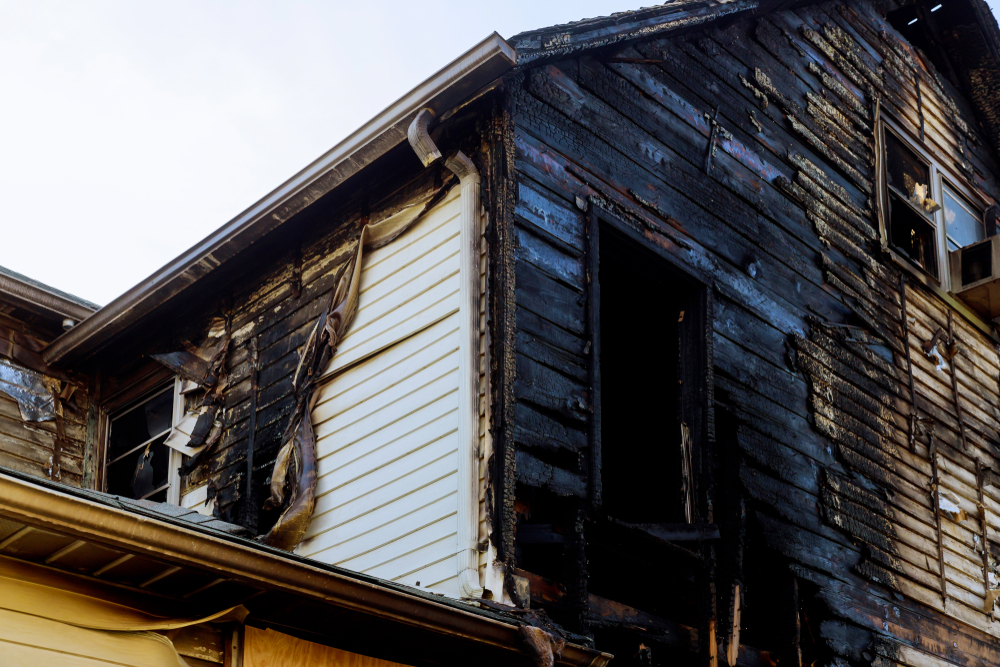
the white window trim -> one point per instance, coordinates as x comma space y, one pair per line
176, 458
939, 175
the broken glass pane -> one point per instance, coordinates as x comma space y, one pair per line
137, 425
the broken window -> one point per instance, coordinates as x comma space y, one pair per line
929, 210
139, 464
648, 321
912, 229
646, 326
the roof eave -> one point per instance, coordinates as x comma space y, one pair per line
54, 510
449, 87
41, 301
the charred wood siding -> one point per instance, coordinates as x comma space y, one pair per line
813, 349
56, 448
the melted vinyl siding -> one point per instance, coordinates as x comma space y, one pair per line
386, 423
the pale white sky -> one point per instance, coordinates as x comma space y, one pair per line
131, 129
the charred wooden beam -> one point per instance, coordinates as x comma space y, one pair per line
936, 504
602, 612
679, 532
594, 330
980, 484
657, 535
953, 349
909, 362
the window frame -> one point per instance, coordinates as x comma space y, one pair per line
123, 403
696, 401
963, 201
940, 174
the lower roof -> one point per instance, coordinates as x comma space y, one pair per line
178, 560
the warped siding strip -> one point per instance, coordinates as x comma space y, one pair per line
405, 286
385, 369
372, 387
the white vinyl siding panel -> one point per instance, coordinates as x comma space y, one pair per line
386, 419
406, 285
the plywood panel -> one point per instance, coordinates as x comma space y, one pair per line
267, 648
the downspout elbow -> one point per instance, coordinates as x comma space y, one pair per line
420, 138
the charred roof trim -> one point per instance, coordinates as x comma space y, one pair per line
92, 516
450, 86
42, 299
563, 40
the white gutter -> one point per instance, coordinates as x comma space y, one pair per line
449, 87
470, 237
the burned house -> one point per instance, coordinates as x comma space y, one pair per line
669, 336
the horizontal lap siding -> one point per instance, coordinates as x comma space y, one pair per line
28, 447
787, 194
386, 421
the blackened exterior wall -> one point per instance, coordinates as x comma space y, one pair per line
817, 463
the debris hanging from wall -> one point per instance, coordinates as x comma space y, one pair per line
36, 394
293, 479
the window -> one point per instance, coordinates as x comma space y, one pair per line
963, 223
927, 212
912, 228
648, 330
139, 464
648, 321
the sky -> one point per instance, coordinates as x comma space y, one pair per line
130, 130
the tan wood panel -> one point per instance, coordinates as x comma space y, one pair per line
268, 648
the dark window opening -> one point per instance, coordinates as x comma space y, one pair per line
913, 235
906, 173
641, 303
977, 263
138, 460
910, 205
